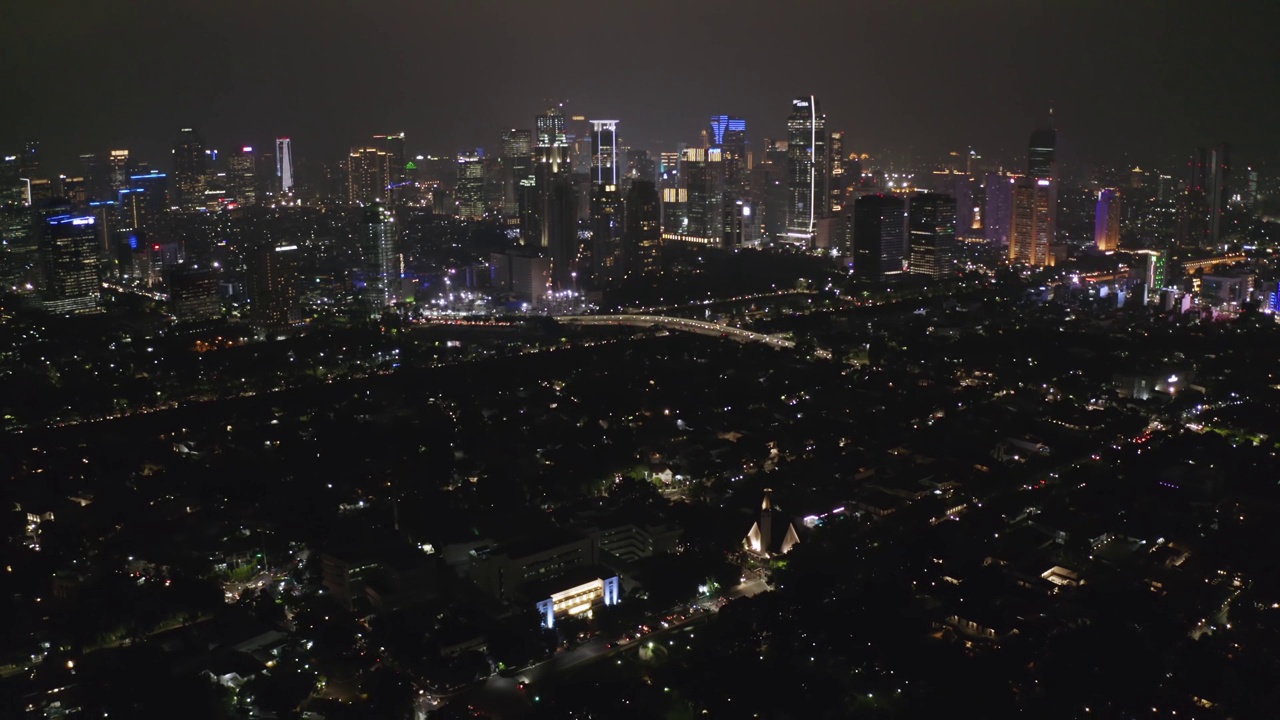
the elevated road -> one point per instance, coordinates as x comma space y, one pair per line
700, 327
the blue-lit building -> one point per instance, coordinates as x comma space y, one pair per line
70, 253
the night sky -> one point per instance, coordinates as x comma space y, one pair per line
1130, 80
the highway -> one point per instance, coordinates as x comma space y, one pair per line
700, 327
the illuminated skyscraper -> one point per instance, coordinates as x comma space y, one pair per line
1106, 222
242, 175
703, 174
1204, 198
1042, 165
837, 173
119, 168
70, 250
550, 127
284, 165
878, 243
366, 176
272, 267
642, 237
1031, 231
189, 166
730, 135
997, 210
808, 170
517, 171
380, 244
931, 221
604, 152
393, 169
469, 194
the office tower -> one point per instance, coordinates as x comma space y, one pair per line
393, 171
550, 127
366, 168
190, 163
1042, 153
836, 192
120, 168
1030, 232
39, 192
554, 216
19, 248
70, 250
642, 237
740, 229
73, 189
469, 192
931, 221
807, 170
703, 178
770, 191
242, 175
997, 210
29, 161
606, 233
193, 294
1106, 221
13, 191
878, 243
729, 134
517, 171
604, 152
284, 165
97, 177
380, 245
1042, 164
272, 268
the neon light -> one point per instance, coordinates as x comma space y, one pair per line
246, 148
148, 176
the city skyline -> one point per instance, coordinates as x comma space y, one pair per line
994, 73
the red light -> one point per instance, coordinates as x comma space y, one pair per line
155, 247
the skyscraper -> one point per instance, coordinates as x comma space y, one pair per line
119, 169
189, 166
836, 190
704, 179
380, 244
392, 169
730, 135
272, 267
1106, 222
997, 210
469, 192
604, 152
550, 127
517, 168
807, 170
193, 294
1031, 231
931, 220
366, 176
642, 237
70, 250
1042, 165
242, 175
878, 243
284, 165
1204, 198
606, 233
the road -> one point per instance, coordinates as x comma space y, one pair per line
700, 327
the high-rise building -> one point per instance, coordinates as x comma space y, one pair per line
640, 166
70, 250
606, 233
517, 171
931, 221
120, 168
878, 242
1042, 153
242, 175
550, 127
193, 294
29, 160
284, 165
189, 170
469, 192
553, 223
272, 266
604, 152
730, 135
997, 210
13, 191
380, 245
808, 170
1204, 199
394, 173
642, 237
836, 190
366, 178
1031, 229
1106, 221
703, 175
